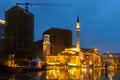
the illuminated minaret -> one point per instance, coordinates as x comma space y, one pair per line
78, 33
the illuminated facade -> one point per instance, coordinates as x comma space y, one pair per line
69, 57
72, 56
92, 57
19, 31
76, 56
111, 59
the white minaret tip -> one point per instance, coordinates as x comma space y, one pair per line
78, 23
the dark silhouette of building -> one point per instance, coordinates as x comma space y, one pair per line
59, 39
2, 28
19, 31
38, 48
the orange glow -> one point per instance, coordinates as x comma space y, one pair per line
96, 49
70, 64
2, 21
84, 69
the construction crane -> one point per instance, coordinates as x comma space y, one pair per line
41, 4
26, 5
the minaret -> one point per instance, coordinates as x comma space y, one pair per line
78, 34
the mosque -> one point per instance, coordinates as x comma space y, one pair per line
74, 56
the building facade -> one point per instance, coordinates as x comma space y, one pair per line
111, 59
38, 49
2, 28
19, 31
59, 39
91, 57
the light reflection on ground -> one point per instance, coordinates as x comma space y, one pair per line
65, 73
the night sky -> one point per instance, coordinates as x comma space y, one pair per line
100, 20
